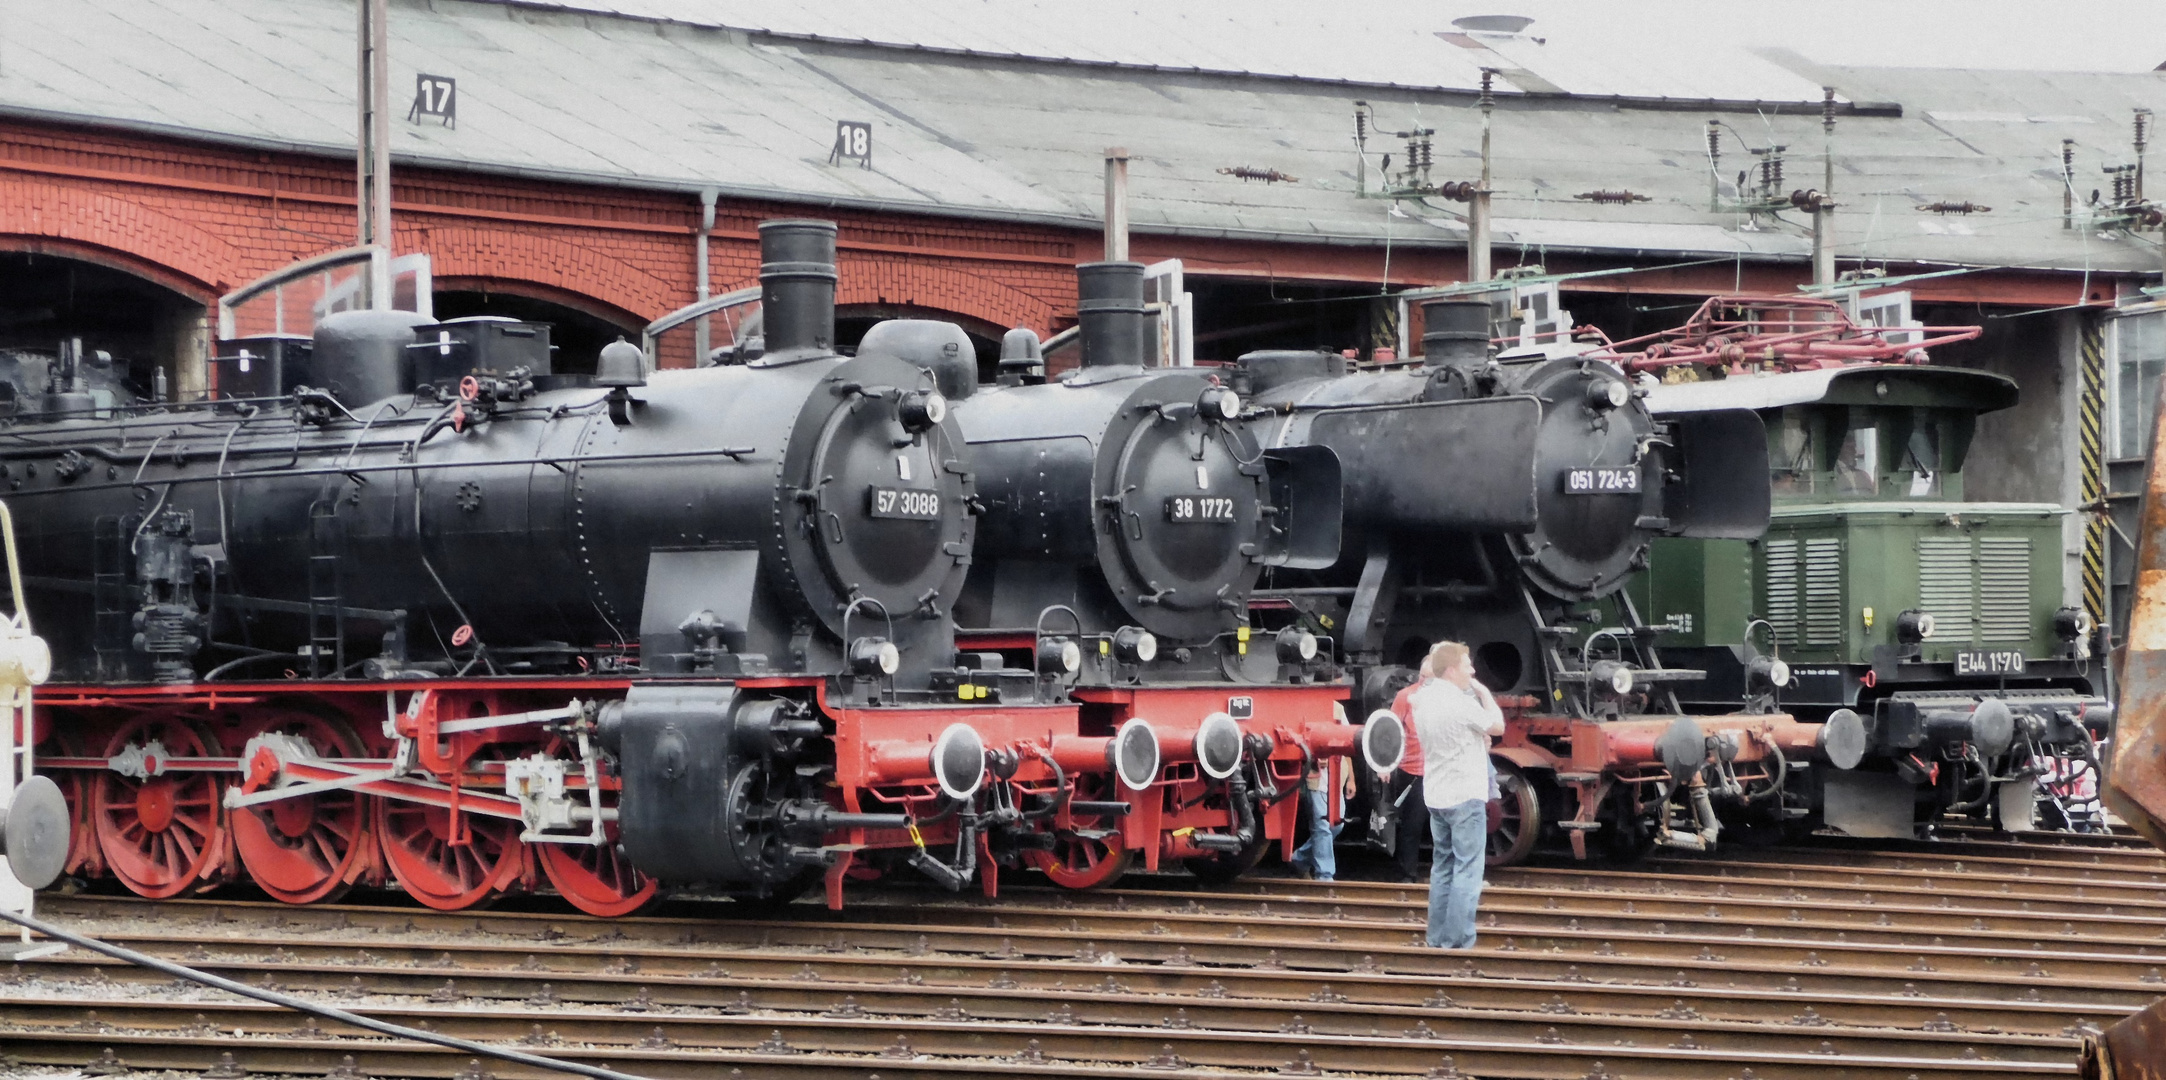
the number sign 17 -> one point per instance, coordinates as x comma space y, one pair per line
437, 96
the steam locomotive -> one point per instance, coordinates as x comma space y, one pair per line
1504, 500
402, 603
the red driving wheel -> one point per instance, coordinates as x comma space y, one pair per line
303, 850
159, 832
595, 879
444, 869
450, 865
1084, 857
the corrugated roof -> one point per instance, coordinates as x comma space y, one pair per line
593, 96
1410, 43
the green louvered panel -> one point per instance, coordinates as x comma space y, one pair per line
2004, 588
1824, 592
1947, 585
1782, 590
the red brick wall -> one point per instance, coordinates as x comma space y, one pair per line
203, 219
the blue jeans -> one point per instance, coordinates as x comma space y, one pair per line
1459, 840
1317, 855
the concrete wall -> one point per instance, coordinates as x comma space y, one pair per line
2027, 453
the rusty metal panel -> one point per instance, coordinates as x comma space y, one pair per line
2134, 1049
2136, 784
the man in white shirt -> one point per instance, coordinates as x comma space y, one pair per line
1455, 717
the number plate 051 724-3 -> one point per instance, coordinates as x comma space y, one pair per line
1602, 481
1988, 662
909, 504
1195, 509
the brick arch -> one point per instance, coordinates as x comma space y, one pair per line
550, 268
944, 288
119, 233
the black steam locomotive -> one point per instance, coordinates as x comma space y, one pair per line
1503, 501
403, 603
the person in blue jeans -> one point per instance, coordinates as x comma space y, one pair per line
1455, 717
1317, 857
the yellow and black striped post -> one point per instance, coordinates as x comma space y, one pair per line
2091, 406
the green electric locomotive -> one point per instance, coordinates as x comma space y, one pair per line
1880, 589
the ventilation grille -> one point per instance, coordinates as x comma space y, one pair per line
2004, 588
1946, 584
1782, 575
1976, 589
1804, 599
1824, 592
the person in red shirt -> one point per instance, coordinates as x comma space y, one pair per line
1410, 818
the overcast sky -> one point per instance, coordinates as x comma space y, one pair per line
2062, 35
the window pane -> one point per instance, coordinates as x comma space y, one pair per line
2140, 361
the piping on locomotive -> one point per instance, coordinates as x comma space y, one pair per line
403, 603
1883, 591
1503, 501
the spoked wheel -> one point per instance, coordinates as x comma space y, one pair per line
303, 850
84, 857
159, 832
1088, 856
596, 879
1513, 840
443, 869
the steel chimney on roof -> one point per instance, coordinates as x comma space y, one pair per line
1493, 24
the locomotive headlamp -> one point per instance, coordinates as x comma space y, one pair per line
873, 656
1612, 674
1383, 741
1218, 746
1219, 403
1059, 655
1134, 754
1913, 626
959, 761
1296, 646
1608, 394
1135, 645
1767, 671
921, 410
2070, 623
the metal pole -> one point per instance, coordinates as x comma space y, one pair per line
372, 186
1824, 213
1478, 221
701, 342
1116, 204
2068, 183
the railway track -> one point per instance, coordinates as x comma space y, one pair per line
1979, 959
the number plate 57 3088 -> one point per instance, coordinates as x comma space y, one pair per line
910, 504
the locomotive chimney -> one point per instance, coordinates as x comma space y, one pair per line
1454, 332
1109, 306
797, 288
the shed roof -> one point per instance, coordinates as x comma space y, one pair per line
643, 96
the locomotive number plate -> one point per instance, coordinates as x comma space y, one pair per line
1206, 509
1987, 662
1602, 481
909, 504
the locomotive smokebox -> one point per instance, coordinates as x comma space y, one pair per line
1109, 307
797, 288
1454, 332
